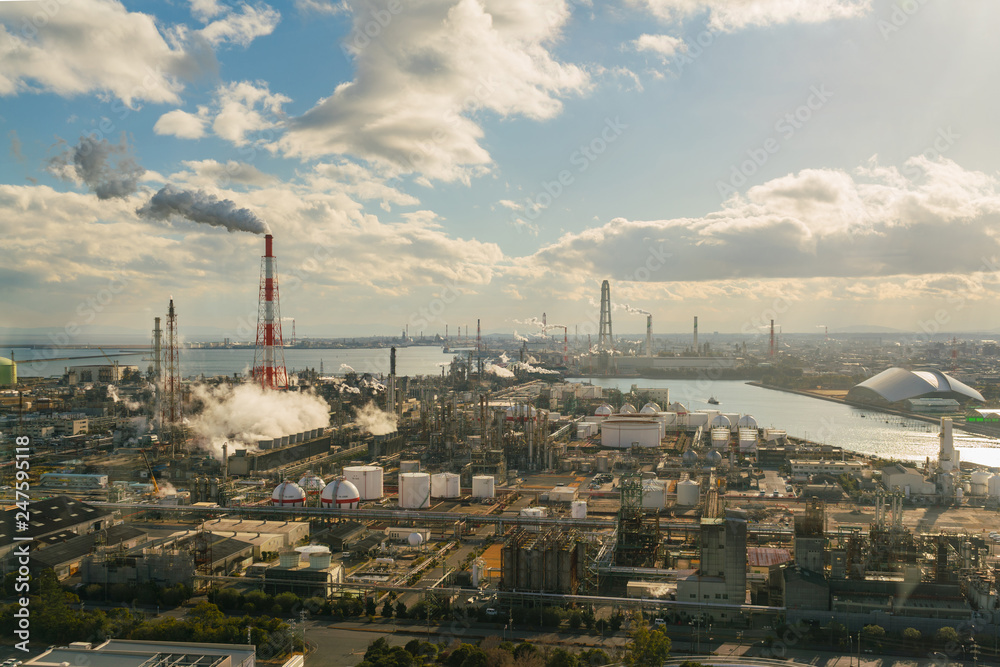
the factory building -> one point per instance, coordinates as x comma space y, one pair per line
132, 653
103, 373
555, 561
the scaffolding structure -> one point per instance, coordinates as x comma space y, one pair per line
638, 543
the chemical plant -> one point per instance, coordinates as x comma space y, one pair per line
498, 484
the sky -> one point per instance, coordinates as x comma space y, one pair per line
424, 163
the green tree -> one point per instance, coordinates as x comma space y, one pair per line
873, 632
400, 609
575, 620
911, 635
287, 600
649, 648
370, 606
561, 658
946, 635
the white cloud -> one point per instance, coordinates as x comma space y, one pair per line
663, 45
204, 10
212, 173
737, 14
323, 6
357, 181
426, 74
92, 45
181, 124
818, 222
246, 107
242, 27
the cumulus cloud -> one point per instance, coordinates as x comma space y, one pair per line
181, 124
241, 27
214, 173
108, 170
738, 14
79, 49
662, 45
879, 221
420, 83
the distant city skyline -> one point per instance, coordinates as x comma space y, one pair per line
423, 162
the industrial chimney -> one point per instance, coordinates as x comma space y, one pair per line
649, 336
696, 336
269, 357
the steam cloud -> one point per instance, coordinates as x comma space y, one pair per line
519, 338
200, 206
629, 309
499, 371
372, 420
108, 170
246, 413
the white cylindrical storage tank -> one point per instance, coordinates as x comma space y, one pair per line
445, 485
438, 483
409, 466
993, 486
687, 493
654, 495
748, 439
959, 493
288, 558
695, 419
979, 483
721, 421
414, 490
319, 560
288, 494
578, 509
367, 479
478, 572
626, 433
483, 486
340, 494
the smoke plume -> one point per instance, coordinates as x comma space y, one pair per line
519, 338
200, 206
629, 309
372, 420
108, 170
128, 403
499, 371
246, 413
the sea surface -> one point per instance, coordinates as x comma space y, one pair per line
854, 429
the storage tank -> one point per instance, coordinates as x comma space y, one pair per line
578, 509
627, 409
319, 560
747, 421
993, 486
288, 558
409, 466
340, 494
478, 572
721, 421
626, 433
654, 495
650, 408
446, 485
720, 436
483, 486
288, 494
312, 484
367, 479
687, 493
603, 464
980, 483
604, 410
748, 438
689, 457
534, 512
713, 458
414, 490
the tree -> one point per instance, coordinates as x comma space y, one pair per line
911, 635
873, 632
594, 657
561, 658
287, 600
649, 648
946, 635
370, 606
387, 609
575, 620
400, 610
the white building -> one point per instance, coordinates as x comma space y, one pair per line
898, 477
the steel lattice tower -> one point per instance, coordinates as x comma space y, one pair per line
269, 356
605, 340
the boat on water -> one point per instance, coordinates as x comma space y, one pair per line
713, 400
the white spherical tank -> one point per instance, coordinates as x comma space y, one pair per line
980, 480
627, 409
445, 485
747, 421
312, 484
578, 509
367, 479
604, 410
993, 486
288, 494
483, 486
415, 539
687, 493
340, 494
650, 408
721, 421
414, 490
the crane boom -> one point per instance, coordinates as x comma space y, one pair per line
156, 487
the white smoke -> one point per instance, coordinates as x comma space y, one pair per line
107, 169
629, 309
246, 413
200, 206
346, 369
127, 402
166, 489
528, 368
373, 420
499, 371
519, 338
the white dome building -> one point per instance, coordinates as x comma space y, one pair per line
288, 494
627, 409
650, 408
604, 410
340, 494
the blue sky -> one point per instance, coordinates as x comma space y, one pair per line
833, 161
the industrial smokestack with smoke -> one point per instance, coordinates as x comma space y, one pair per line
200, 206
108, 170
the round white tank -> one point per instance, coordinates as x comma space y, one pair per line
288, 558
747, 421
650, 408
578, 509
414, 490
959, 493
534, 512
483, 486
627, 409
622, 434
288, 494
414, 539
993, 486
340, 494
604, 410
721, 421
445, 485
687, 493
980, 483
368, 480
312, 484
654, 495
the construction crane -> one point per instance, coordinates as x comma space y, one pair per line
156, 487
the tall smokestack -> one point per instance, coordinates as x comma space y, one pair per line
479, 349
157, 350
390, 398
649, 336
545, 332
225, 461
696, 353
772, 338
269, 357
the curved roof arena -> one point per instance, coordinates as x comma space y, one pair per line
898, 384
